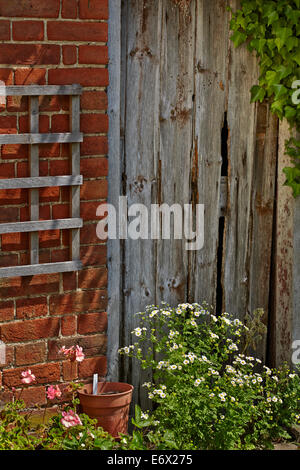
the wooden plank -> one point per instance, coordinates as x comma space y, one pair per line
41, 182
140, 155
296, 274
282, 331
40, 90
34, 269
114, 247
243, 73
31, 226
210, 105
34, 172
263, 201
61, 138
75, 170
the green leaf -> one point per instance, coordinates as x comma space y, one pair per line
292, 179
271, 77
257, 93
272, 17
290, 112
238, 38
296, 57
283, 71
279, 90
282, 35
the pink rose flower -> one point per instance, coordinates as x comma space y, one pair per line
53, 392
69, 419
79, 354
28, 377
73, 353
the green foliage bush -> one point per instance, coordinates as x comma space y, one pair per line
207, 394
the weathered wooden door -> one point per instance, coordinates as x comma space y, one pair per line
188, 135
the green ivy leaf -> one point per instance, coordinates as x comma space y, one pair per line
292, 179
290, 112
257, 93
282, 35
238, 38
279, 90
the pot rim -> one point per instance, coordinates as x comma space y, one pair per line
81, 391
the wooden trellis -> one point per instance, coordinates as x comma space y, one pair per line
34, 182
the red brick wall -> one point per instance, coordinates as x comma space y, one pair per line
54, 42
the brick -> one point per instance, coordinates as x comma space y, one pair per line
69, 9
31, 308
69, 325
6, 395
84, 76
8, 124
34, 396
9, 358
32, 9
44, 374
8, 214
29, 285
94, 100
29, 76
30, 353
60, 255
50, 194
13, 196
7, 170
97, 145
69, 55
60, 123
93, 55
53, 103
92, 365
76, 31
49, 150
93, 123
93, 345
30, 329
88, 234
8, 260
96, 189
60, 211
59, 167
6, 311
94, 167
28, 30
14, 241
17, 103
78, 302
92, 323
31, 54
88, 210
14, 151
70, 370
49, 238
93, 9
69, 281
93, 255
4, 30
6, 76
91, 278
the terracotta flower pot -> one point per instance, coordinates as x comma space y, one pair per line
111, 408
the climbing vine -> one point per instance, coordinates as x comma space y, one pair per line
272, 29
